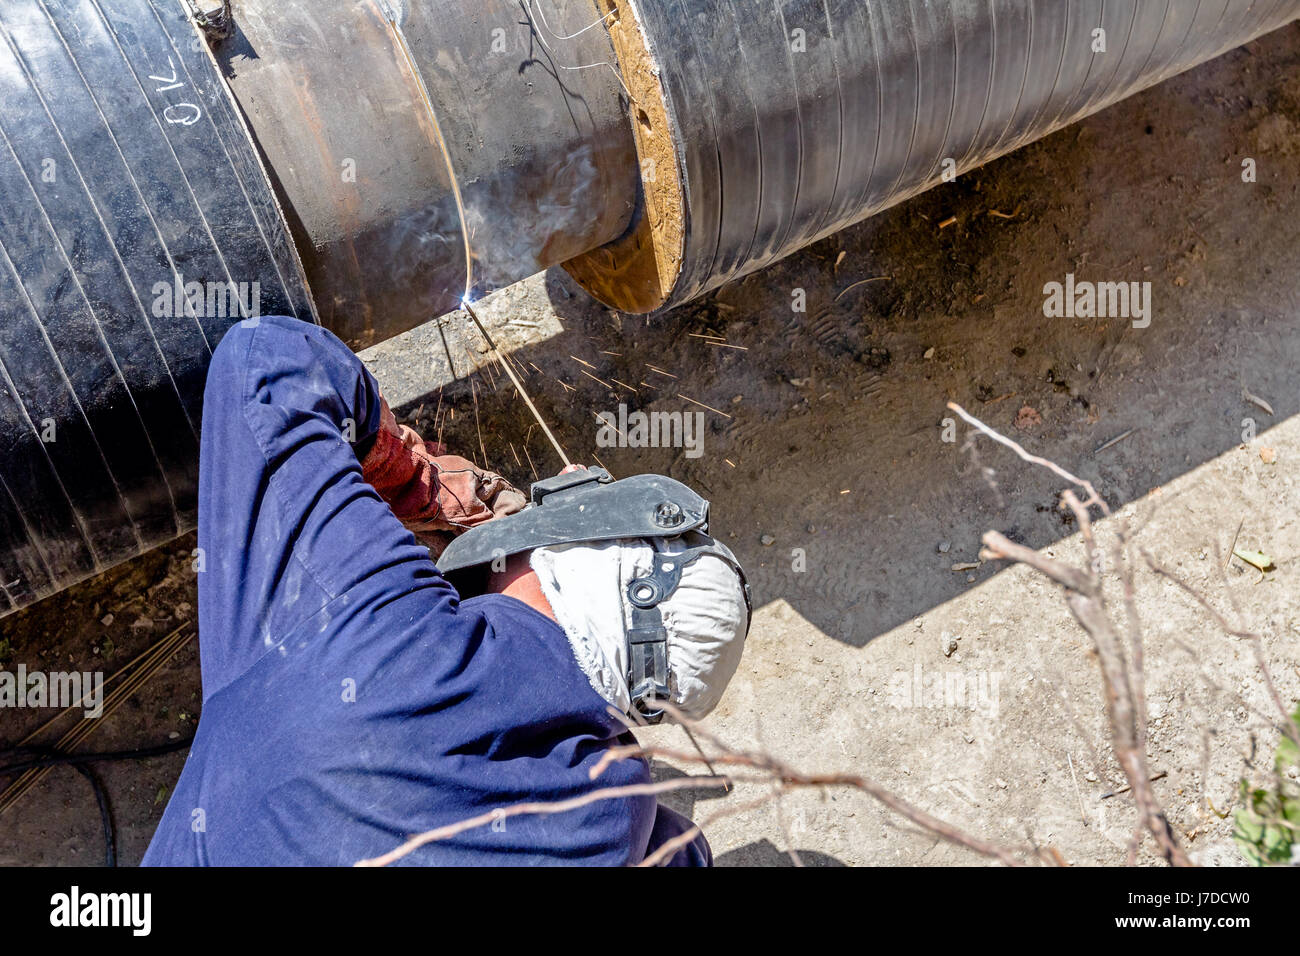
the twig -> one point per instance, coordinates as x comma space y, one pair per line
773, 770
1114, 441
1126, 788
538, 808
702, 405
1092, 499
1084, 597
769, 771
1288, 725
1233, 547
847, 288
1121, 682
690, 735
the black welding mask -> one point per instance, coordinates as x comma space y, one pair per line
587, 507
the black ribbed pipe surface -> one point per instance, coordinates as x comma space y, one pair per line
123, 166
785, 138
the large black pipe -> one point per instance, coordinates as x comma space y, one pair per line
136, 225
786, 125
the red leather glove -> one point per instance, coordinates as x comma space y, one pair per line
437, 496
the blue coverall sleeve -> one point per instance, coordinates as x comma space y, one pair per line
286, 520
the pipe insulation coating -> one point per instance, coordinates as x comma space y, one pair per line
136, 226
368, 162
787, 120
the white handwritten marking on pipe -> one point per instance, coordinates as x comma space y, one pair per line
173, 80
177, 114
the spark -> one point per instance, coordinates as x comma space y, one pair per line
519, 386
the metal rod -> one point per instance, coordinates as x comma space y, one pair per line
523, 393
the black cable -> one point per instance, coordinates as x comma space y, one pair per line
79, 762
105, 813
53, 758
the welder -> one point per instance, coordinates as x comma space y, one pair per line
393, 639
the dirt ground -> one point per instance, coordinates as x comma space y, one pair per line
825, 459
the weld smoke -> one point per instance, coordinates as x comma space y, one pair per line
505, 250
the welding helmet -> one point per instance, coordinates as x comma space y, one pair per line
655, 608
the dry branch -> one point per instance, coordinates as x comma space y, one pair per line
766, 770
1122, 681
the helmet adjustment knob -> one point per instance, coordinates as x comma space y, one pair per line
669, 514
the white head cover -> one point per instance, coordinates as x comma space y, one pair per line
706, 617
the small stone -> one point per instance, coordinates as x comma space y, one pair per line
106, 620
950, 648
929, 353
737, 399
1090, 777
945, 547
766, 540
1002, 784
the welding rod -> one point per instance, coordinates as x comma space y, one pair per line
523, 393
